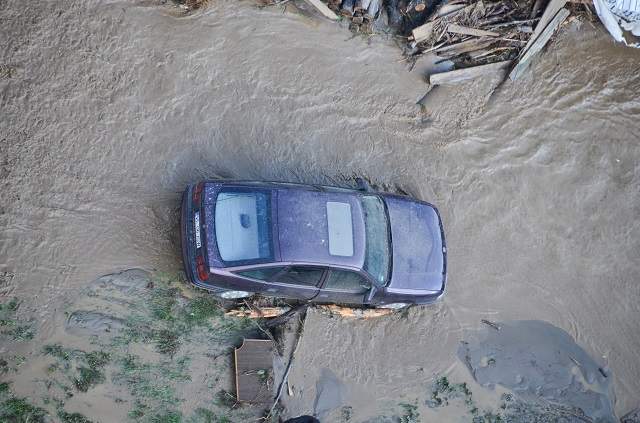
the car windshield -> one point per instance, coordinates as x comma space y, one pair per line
243, 226
377, 253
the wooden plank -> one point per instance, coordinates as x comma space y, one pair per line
463, 47
254, 371
322, 8
422, 32
459, 29
461, 75
451, 9
535, 48
552, 10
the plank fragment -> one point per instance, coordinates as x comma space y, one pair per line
552, 10
464, 30
423, 32
322, 8
463, 47
461, 75
538, 44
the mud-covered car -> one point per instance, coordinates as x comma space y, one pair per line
312, 243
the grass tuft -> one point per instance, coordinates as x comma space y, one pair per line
13, 409
89, 366
201, 309
167, 341
88, 377
169, 417
410, 413
72, 417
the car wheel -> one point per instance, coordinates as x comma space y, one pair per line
393, 306
234, 295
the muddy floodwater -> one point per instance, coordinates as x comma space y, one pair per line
109, 108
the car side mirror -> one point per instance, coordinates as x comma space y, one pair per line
362, 185
371, 294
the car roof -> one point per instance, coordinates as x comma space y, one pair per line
313, 224
320, 226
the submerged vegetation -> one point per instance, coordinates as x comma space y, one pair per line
151, 356
15, 328
15, 409
509, 410
82, 369
167, 319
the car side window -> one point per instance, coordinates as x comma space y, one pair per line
299, 275
352, 282
262, 273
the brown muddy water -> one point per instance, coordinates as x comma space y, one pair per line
112, 107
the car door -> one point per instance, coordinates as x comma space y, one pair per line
298, 282
256, 279
344, 287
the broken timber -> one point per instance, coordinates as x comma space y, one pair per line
322, 8
461, 75
258, 313
358, 313
538, 44
459, 29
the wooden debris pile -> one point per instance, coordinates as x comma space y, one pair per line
485, 37
361, 13
473, 37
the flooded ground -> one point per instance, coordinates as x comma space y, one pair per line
110, 108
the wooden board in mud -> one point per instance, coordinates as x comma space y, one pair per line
254, 371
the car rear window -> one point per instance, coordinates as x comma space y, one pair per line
243, 226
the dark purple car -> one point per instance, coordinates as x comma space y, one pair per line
312, 243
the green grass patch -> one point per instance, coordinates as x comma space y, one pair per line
16, 329
443, 391
200, 309
170, 417
18, 410
152, 385
84, 369
72, 417
168, 320
409, 413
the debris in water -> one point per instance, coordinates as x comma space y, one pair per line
493, 325
621, 18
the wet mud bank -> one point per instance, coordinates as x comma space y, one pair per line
519, 371
133, 346
110, 109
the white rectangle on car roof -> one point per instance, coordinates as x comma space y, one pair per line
340, 227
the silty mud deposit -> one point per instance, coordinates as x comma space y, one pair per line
112, 107
542, 365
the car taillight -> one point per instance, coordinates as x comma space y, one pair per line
203, 272
197, 192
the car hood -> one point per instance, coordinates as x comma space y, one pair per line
418, 247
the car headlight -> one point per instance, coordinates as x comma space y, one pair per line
231, 295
